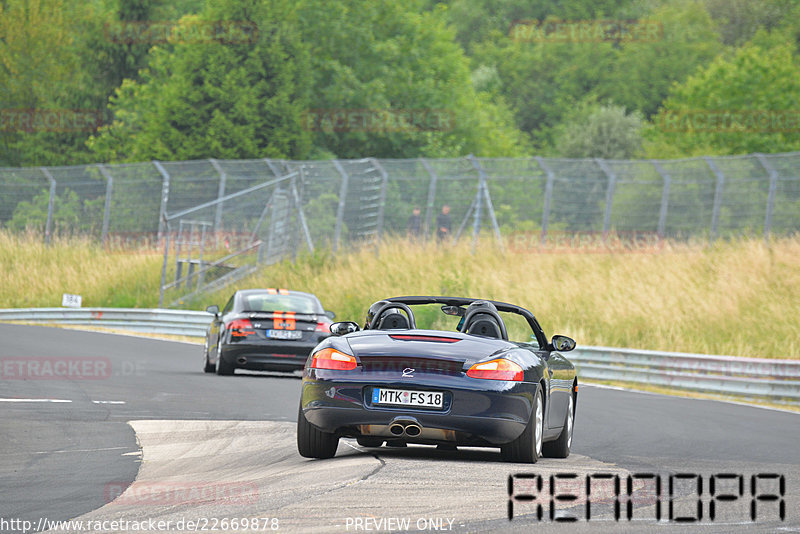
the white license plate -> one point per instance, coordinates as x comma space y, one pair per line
284, 334
402, 397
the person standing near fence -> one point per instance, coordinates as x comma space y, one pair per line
414, 226
443, 224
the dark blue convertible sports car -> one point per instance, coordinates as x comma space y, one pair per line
481, 373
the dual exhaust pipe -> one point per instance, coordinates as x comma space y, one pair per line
407, 428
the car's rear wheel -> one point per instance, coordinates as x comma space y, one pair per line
527, 448
560, 447
207, 366
223, 367
369, 441
313, 442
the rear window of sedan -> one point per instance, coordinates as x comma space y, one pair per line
268, 303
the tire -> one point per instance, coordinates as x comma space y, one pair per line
369, 441
313, 442
527, 448
560, 447
223, 367
207, 367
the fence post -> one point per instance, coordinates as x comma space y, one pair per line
50, 205
162, 211
717, 196
773, 186
301, 216
223, 177
165, 224
548, 195
431, 198
483, 193
662, 212
382, 198
273, 167
340, 210
107, 206
612, 184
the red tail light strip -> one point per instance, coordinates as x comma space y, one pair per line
434, 339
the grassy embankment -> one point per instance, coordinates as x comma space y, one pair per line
33, 275
739, 298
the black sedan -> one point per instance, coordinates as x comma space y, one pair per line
481, 373
264, 330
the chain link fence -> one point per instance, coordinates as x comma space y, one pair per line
215, 217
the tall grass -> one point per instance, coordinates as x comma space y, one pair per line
33, 274
738, 297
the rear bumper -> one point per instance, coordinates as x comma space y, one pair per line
267, 356
475, 413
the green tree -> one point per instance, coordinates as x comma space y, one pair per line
545, 81
395, 57
601, 132
742, 103
238, 98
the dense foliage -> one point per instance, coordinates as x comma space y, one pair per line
317, 79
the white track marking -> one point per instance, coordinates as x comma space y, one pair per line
81, 450
35, 400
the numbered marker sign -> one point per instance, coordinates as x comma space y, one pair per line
71, 301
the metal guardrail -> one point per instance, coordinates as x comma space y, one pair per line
156, 321
748, 377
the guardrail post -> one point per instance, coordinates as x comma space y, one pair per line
340, 210
612, 184
162, 211
773, 186
662, 212
50, 205
220, 195
107, 205
717, 197
548, 195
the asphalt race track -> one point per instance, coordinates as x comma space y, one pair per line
138, 434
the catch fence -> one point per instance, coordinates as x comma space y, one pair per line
215, 219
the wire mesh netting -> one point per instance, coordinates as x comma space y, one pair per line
288, 206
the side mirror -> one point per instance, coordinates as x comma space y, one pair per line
563, 343
213, 309
330, 314
343, 328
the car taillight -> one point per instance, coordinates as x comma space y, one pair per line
333, 359
241, 327
499, 369
323, 326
